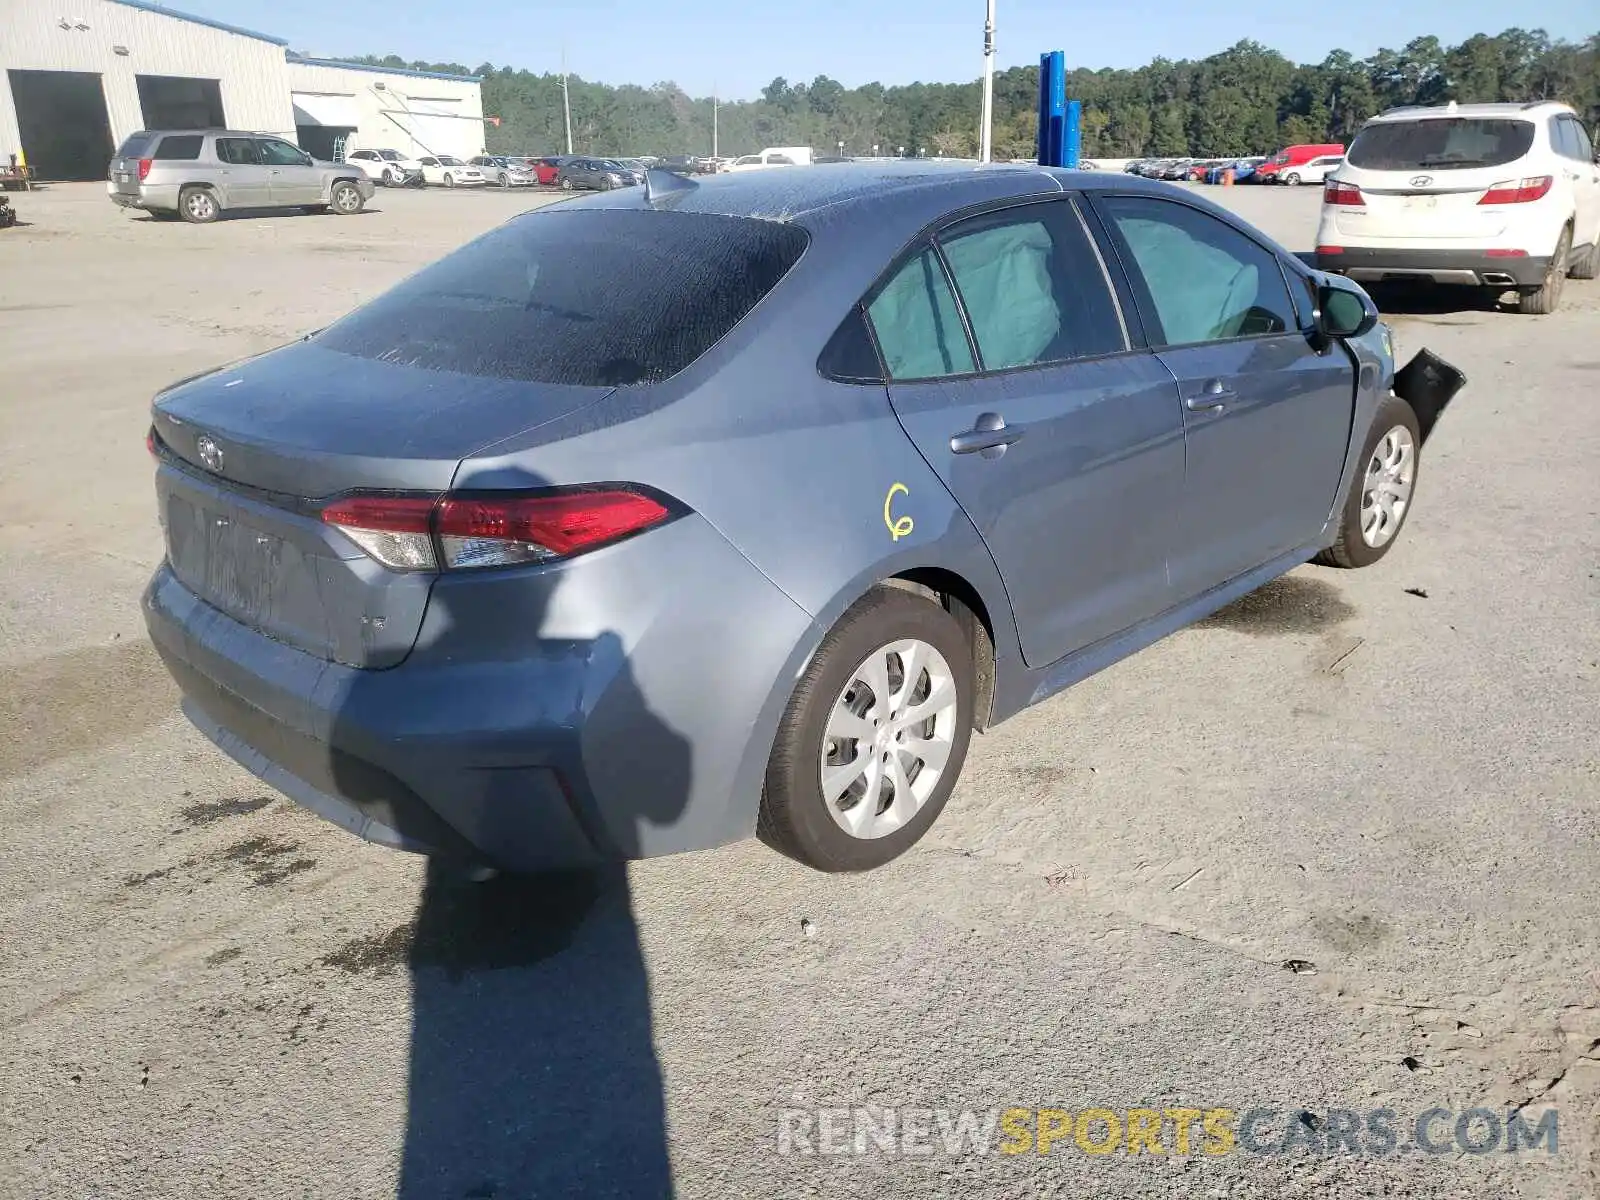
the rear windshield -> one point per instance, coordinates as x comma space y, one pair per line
600, 298
136, 145
185, 147
1441, 144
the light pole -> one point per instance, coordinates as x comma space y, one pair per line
986, 131
566, 100
713, 120
841, 147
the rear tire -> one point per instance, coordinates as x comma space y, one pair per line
1547, 298
889, 625
1586, 262
1354, 548
198, 206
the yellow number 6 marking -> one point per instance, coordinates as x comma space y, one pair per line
898, 526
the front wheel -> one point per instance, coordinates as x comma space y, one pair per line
566, 185
874, 737
1380, 496
388, 177
449, 180
505, 180
1292, 179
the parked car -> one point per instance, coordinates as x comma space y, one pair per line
389, 168
507, 172
765, 160
199, 174
1315, 171
1242, 168
683, 164
547, 170
1502, 196
599, 174
1292, 157
450, 172
452, 572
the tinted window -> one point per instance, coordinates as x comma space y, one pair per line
238, 151
279, 154
135, 146
539, 298
850, 355
1441, 144
1033, 289
183, 147
1205, 280
918, 325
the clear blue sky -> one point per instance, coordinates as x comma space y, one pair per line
738, 46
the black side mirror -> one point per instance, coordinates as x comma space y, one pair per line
1344, 313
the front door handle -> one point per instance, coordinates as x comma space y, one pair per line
1213, 397
989, 436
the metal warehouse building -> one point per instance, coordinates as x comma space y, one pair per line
78, 76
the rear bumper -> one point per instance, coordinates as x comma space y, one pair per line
1369, 264
509, 737
147, 197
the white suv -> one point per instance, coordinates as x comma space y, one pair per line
388, 167
1494, 195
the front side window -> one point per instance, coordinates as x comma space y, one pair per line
389, 155
1205, 280
1032, 286
446, 161
239, 152
917, 323
1585, 146
429, 162
1441, 144
280, 154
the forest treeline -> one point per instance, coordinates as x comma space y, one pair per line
1247, 99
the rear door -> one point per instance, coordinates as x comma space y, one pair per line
291, 176
1063, 445
1424, 178
1583, 173
1267, 419
242, 176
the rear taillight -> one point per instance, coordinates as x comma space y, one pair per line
150, 441
1519, 191
463, 532
1335, 192
144, 168
1323, 251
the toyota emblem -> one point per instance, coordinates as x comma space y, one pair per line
210, 453
1421, 180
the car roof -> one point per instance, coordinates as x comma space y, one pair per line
790, 193
1531, 110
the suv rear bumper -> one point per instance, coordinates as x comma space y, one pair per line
163, 196
1374, 264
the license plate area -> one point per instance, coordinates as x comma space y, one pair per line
230, 562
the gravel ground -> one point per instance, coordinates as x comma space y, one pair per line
1391, 775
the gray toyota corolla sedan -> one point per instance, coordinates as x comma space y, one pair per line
654, 520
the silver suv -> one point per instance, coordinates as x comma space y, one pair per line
197, 174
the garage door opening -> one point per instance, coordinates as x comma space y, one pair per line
327, 142
176, 102
61, 116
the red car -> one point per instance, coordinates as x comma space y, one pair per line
544, 169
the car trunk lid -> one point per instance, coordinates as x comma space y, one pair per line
250, 454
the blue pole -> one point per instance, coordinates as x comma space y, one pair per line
1052, 107
1072, 149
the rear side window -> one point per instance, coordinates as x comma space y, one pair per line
1441, 144
918, 324
1033, 288
135, 146
601, 298
183, 147
239, 152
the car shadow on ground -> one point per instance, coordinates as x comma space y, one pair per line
532, 1065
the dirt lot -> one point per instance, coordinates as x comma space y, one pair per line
1393, 775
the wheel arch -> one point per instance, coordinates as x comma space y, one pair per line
965, 603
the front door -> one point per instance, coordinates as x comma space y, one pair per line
291, 176
1011, 371
1267, 418
242, 176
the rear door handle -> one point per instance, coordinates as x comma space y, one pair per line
1213, 397
989, 436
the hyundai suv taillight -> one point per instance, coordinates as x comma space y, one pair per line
1336, 192
1519, 191
464, 531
